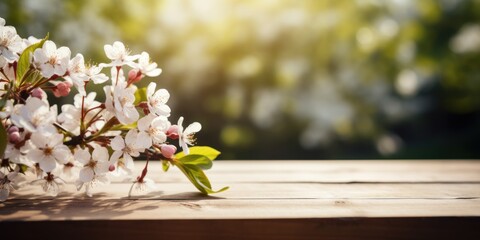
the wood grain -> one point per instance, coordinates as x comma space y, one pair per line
185, 191
332, 171
235, 209
267, 200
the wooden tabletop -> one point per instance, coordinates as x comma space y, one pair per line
391, 199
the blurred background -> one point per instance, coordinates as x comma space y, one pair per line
339, 79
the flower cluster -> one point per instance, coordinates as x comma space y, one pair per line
89, 140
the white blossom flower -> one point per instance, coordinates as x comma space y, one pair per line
146, 67
41, 139
123, 102
124, 150
18, 154
70, 170
100, 179
152, 130
10, 43
142, 185
49, 148
186, 136
51, 184
76, 73
94, 164
34, 113
156, 101
51, 60
119, 55
94, 73
7, 182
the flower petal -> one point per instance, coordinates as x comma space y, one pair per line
86, 174
48, 164
64, 52
39, 56
192, 128
115, 156
131, 137
35, 155
117, 143
47, 70
50, 48
131, 114
109, 51
55, 139
184, 145
144, 140
163, 95
160, 137
102, 167
154, 73
179, 124
38, 139
151, 89
62, 154
82, 155
100, 154
144, 123
128, 160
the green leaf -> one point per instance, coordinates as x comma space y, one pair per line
3, 140
197, 177
198, 160
208, 152
165, 165
140, 95
23, 168
122, 127
24, 60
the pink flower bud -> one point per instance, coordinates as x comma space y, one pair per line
12, 129
172, 132
134, 76
38, 93
168, 150
62, 89
111, 168
14, 137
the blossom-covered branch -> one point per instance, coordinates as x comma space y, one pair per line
89, 140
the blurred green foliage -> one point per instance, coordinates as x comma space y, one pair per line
296, 79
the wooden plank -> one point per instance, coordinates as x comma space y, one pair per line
408, 171
347, 165
268, 200
123, 209
185, 191
256, 229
